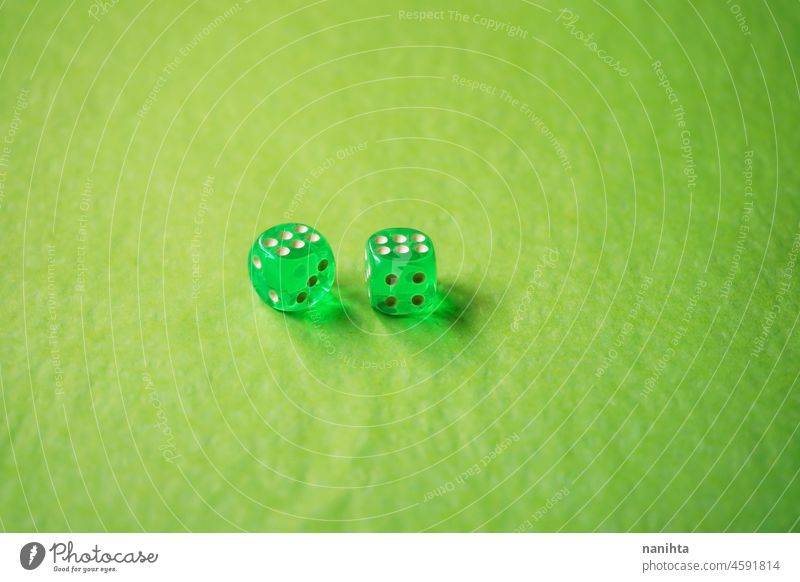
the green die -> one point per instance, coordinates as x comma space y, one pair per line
291, 266
401, 271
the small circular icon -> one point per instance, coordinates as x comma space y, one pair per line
31, 555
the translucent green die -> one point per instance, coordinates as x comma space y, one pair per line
401, 271
291, 266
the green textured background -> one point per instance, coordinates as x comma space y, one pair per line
621, 320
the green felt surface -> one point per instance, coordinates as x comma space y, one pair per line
617, 225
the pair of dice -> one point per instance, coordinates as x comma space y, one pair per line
292, 268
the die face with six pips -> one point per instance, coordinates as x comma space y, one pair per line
401, 271
291, 266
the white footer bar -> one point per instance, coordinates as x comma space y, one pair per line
401, 557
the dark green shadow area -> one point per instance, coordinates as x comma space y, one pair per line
328, 310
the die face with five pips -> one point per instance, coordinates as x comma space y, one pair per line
291, 266
401, 271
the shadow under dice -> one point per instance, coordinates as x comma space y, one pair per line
401, 271
291, 266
